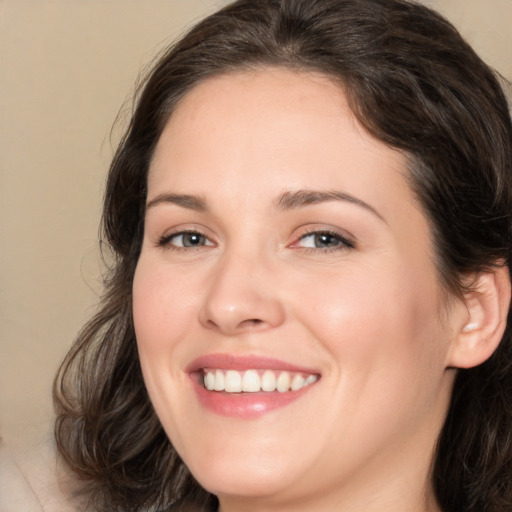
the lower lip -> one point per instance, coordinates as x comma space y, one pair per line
245, 405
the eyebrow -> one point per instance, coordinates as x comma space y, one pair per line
184, 200
301, 198
286, 201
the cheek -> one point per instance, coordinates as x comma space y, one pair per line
162, 309
377, 320
161, 316
382, 333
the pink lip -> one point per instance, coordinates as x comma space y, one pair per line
243, 405
241, 363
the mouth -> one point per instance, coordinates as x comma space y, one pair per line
248, 386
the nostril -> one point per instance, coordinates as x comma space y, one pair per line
251, 322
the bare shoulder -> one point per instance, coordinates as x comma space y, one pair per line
33, 481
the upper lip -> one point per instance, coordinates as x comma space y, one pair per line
244, 362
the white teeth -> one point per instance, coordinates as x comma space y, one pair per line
268, 381
233, 382
283, 382
297, 382
220, 383
311, 379
253, 381
209, 381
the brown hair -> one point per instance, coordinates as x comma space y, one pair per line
416, 85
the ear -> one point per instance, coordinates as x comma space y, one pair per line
481, 327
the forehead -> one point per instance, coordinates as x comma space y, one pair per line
283, 128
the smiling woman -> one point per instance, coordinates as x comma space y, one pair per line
289, 295
311, 217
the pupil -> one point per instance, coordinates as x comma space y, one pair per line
325, 240
192, 239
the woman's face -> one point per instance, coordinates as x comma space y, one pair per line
283, 247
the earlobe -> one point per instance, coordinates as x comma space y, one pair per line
483, 324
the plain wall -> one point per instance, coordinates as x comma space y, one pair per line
66, 68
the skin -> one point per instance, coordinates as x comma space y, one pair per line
369, 316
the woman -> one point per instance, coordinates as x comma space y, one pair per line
310, 213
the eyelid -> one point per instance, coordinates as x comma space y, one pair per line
165, 239
347, 240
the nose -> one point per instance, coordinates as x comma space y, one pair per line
242, 297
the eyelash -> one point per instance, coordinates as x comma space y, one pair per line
344, 243
165, 241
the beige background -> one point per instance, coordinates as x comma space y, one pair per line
66, 67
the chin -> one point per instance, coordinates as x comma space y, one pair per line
244, 478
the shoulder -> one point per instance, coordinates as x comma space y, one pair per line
16, 493
33, 482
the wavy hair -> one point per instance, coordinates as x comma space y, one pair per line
414, 84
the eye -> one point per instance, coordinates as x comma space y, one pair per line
185, 240
324, 240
